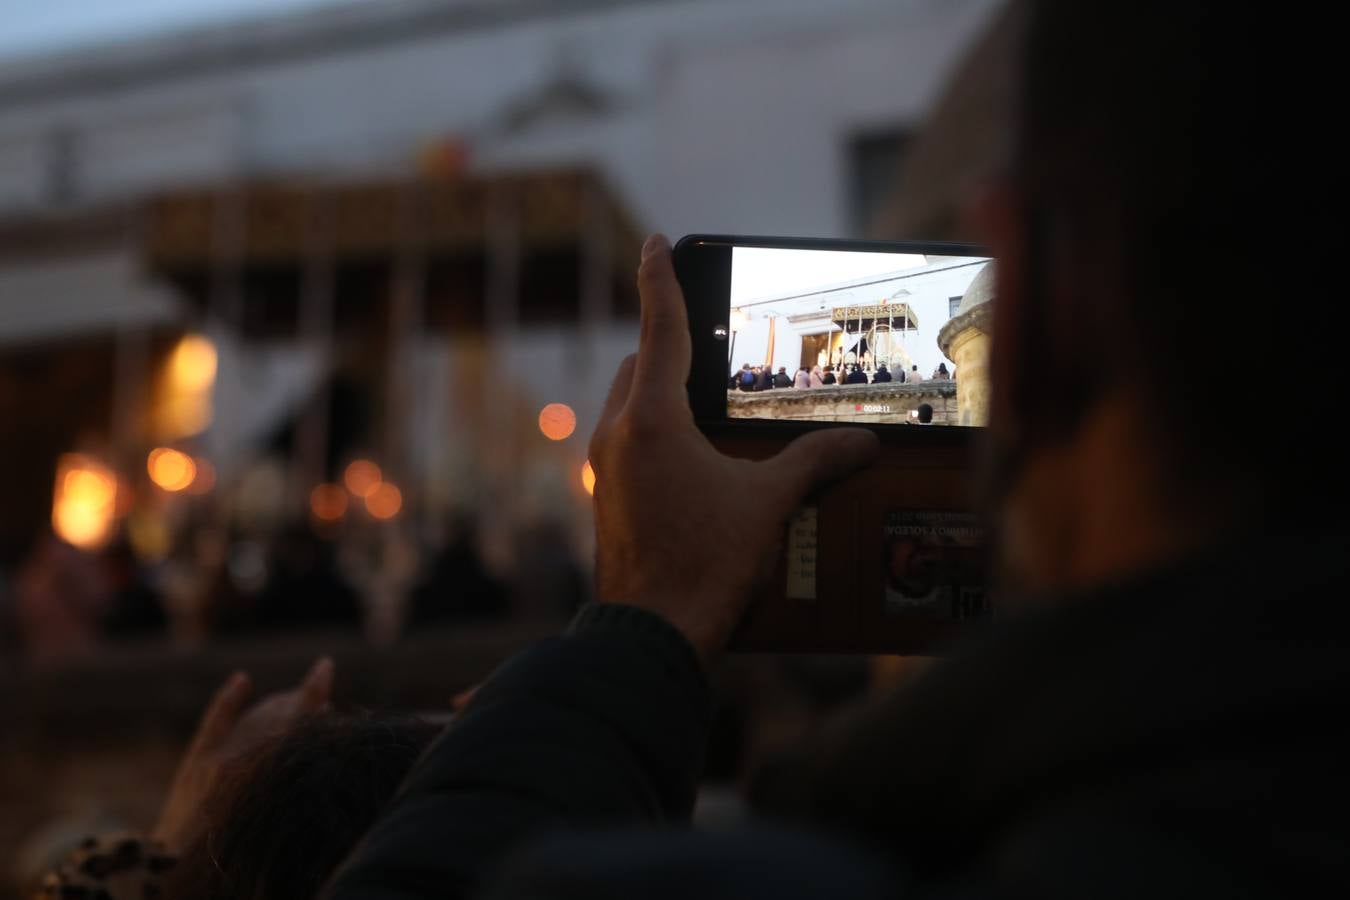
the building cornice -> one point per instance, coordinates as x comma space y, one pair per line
99, 70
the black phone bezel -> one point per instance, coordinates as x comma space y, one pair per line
703, 268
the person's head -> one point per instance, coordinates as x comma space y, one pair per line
745, 366
281, 819
1125, 229
942, 367
782, 370
829, 368
914, 368
925, 411
881, 367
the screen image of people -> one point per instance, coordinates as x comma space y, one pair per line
847, 336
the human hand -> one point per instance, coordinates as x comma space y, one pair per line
227, 731
681, 529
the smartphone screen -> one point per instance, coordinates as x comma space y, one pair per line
828, 335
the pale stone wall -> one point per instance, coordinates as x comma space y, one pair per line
970, 352
889, 403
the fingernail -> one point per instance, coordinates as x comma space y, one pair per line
654, 243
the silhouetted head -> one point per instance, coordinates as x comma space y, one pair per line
282, 818
1124, 231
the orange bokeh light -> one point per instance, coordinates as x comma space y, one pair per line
192, 365
588, 478
84, 502
557, 421
206, 477
171, 470
385, 501
362, 477
328, 502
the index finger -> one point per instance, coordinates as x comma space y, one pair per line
664, 347
223, 712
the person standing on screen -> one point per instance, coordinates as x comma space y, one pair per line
856, 375
913, 376
882, 376
817, 378
764, 381
782, 379
802, 380
828, 377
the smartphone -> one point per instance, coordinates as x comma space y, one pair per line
791, 335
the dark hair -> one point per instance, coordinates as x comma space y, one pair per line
1153, 207
925, 413
281, 819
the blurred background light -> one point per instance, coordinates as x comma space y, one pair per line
206, 477
192, 365
84, 502
384, 501
171, 470
557, 421
588, 478
328, 502
362, 476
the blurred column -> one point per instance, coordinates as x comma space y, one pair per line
225, 307
131, 383
315, 329
131, 396
501, 318
596, 285
407, 298
596, 305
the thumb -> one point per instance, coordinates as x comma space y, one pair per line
820, 457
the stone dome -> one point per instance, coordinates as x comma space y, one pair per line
981, 290
975, 310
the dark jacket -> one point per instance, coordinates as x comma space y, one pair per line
782, 380
765, 381
1175, 736
827, 378
881, 376
857, 376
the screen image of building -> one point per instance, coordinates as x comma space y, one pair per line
889, 319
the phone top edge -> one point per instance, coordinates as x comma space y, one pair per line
942, 248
